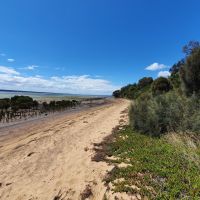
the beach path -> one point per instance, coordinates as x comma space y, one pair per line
52, 158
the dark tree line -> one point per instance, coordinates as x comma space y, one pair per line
168, 104
22, 107
185, 77
59, 105
133, 91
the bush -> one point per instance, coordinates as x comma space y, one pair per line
191, 120
176, 67
133, 91
165, 113
4, 103
190, 74
161, 85
116, 94
146, 81
21, 102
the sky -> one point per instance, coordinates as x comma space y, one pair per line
91, 46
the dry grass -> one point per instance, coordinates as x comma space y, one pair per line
188, 144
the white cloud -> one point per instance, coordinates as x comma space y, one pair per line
31, 67
11, 60
156, 66
84, 84
164, 74
8, 70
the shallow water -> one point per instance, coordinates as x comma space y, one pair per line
44, 96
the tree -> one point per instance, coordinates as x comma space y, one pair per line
176, 67
146, 81
35, 104
175, 77
4, 103
21, 102
191, 47
190, 73
161, 85
116, 94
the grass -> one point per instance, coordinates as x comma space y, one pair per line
158, 168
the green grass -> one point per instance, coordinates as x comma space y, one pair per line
159, 168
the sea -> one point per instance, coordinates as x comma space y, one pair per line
39, 95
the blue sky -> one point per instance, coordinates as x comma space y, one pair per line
91, 46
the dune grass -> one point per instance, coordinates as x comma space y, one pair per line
157, 168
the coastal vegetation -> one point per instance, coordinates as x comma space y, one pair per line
160, 148
166, 167
169, 104
23, 107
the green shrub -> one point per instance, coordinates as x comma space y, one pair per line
161, 85
165, 113
116, 94
146, 81
190, 73
21, 102
176, 67
4, 103
133, 91
191, 120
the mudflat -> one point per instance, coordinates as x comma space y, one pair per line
51, 158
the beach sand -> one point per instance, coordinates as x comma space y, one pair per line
49, 158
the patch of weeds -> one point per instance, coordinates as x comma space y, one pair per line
158, 169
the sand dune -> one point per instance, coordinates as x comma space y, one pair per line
53, 157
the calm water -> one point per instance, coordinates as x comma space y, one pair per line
8, 94
43, 95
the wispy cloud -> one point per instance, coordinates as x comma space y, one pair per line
83, 84
156, 66
164, 74
31, 67
2, 54
8, 70
11, 60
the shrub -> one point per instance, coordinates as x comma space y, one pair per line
165, 113
176, 67
146, 81
191, 119
116, 93
133, 91
161, 85
21, 102
191, 47
4, 103
190, 74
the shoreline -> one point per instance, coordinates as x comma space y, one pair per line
46, 116
55, 155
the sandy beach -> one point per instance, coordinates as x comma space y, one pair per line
52, 157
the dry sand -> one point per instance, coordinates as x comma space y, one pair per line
52, 158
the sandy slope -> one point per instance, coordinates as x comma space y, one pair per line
39, 160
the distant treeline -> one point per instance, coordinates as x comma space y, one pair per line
158, 86
168, 104
19, 107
